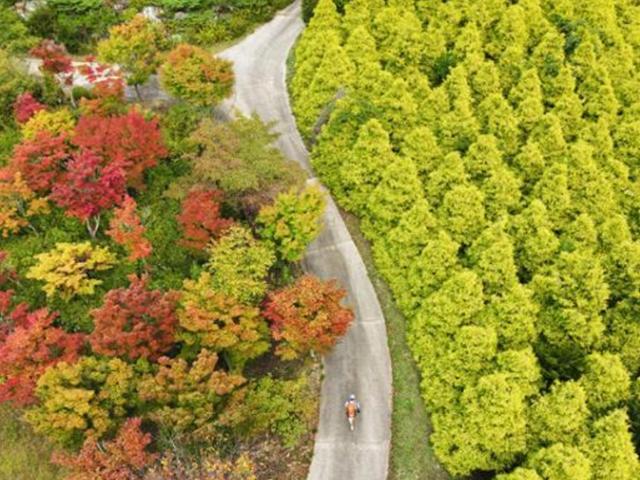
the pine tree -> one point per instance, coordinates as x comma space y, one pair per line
606, 381
522, 369
361, 47
360, 13
399, 112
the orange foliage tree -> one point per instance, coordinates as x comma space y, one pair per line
123, 458
17, 203
135, 322
130, 141
200, 218
307, 316
126, 229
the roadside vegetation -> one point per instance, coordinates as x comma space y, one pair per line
490, 151
81, 24
154, 319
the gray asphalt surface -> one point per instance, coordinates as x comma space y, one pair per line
360, 363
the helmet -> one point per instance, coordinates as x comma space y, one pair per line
352, 397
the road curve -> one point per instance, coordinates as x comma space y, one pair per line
360, 363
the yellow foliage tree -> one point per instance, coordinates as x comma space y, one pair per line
66, 269
56, 122
17, 203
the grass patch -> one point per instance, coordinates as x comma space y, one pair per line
23, 454
412, 457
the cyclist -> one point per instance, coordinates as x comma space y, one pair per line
351, 409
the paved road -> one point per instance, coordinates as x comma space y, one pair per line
360, 362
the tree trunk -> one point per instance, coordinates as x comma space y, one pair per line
93, 224
136, 87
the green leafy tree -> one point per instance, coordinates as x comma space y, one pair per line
183, 396
489, 431
134, 46
292, 222
239, 264
194, 75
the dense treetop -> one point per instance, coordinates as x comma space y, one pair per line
492, 150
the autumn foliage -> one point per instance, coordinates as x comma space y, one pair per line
123, 458
307, 317
128, 141
200, 218
25, 107
134, 322
33, 345
41, 160
55, 59
17, 203
126, 229
87, 187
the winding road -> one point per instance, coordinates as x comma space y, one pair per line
360, 363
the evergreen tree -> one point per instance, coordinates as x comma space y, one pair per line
447, 174
606, 381
611, 450
491, 256
512, 314
362, 171
462, 213
561, 461
526, 97
535, 241
399, 189
399, 112
399, 35
334, 74
498, 119
360, 13
559, 415
421, 146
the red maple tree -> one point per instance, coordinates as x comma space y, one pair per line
33, 345
25, 107
87, 188
55, 60
200, 218
129, 141
40, 160
126, 229
307, 316
123, 458
135, 322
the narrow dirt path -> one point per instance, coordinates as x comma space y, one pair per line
360, 363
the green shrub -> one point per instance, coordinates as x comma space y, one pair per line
286, 408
